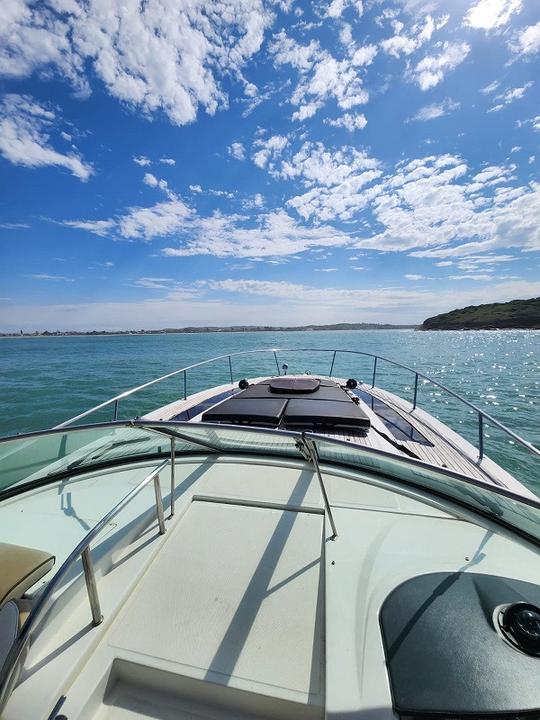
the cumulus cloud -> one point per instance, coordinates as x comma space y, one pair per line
268, 149
274, 233
167, 161
142, 160
25, 137
407, 41
153, 181
491, 14
527, 41
321, 76
336, 7
349, 121
176, 65
430, 71
237, 151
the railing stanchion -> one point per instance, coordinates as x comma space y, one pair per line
277, 364
173, 480
374, 372
415, 391
116, 410
480, 436
159, 505
308, 448
230, 370
91, 587
185, 385
333, 361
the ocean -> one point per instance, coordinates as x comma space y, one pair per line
45, 380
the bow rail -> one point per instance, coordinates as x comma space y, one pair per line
482, 415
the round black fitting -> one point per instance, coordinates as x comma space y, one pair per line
243, 384
351, 383
520, 624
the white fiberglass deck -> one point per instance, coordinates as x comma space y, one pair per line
245, 608
233, 598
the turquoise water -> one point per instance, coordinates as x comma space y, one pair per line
47, 380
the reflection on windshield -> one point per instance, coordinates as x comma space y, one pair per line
44, 456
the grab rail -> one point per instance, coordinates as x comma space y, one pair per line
481, 414
82, 550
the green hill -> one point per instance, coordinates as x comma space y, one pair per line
517, 314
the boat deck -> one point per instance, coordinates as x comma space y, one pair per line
444, 448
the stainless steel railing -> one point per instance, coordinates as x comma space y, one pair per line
83, 551
481, 414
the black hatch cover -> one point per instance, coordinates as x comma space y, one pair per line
444, 654
306, 402
265, 412
324, 412
295, 386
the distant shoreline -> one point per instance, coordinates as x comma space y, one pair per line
209, 329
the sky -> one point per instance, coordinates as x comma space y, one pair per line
174, 163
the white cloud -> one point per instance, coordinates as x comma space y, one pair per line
317, 165
97, 227
154, 283
430, 71
153, 181
436, 110
476, 277
208, 303
176, 64
268, 149
274, 234
488, 89
196, 189
150, 179
349, 121
336, 180
141, 160
322, 76
237, 151
25, 128
527, 40
418, 34
45, 276
140, 223
167, 161
510, 95
491, 14
336, 7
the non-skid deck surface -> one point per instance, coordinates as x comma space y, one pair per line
442, 453
234, 598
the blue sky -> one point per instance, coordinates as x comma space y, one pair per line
175, 163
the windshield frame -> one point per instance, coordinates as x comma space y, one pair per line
188, 428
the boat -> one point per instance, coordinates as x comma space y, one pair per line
289, 543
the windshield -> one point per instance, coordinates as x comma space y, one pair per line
43, 457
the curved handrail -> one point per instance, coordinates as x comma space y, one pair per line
482, 415
81, 550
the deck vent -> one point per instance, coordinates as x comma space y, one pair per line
520, 624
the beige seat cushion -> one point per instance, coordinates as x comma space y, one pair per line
20, 568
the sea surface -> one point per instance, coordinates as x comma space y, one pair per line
46, 380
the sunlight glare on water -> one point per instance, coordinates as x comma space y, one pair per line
47, 380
